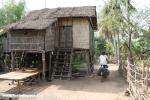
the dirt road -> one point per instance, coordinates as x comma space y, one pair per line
89, 88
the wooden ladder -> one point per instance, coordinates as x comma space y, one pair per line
18, 58
62, 64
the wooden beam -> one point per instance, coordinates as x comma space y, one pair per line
91, 21
44, 66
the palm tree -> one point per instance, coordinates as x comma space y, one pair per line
115, 20
110, 23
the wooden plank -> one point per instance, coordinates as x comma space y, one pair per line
18, 75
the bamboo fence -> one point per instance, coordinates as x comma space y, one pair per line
138, 77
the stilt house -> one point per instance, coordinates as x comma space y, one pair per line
59, 33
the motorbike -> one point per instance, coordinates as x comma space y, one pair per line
103, 72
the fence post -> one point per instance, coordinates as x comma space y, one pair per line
128, 74
147, 72
142, 74
135, 81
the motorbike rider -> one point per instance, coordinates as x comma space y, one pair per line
103, 59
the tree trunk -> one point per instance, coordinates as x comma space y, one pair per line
118, 49
129, 33
115, 45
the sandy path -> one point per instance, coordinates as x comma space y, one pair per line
89, 88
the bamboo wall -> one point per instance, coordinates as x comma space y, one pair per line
80, 29
63, 36
5, 45
27, 40
82, 36
81, 33
50, 38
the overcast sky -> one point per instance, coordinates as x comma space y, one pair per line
39, 4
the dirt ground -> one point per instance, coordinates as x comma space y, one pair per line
85, 88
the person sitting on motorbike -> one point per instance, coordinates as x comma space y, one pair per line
103, 59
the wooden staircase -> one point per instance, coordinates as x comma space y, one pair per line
62, 64
19, 59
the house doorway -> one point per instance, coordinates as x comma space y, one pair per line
66, 37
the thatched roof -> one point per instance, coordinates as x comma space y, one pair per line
32, 24
41, 19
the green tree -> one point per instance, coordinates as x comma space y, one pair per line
115, 19
141, 47
101, 45
11, 12
142, 18
111, 22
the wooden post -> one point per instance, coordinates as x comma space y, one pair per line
128, 73
88, 62
18, 86
143, 74
12, 61
5, 61
147, 72
44, 66
71, 60
50, 64
135, 80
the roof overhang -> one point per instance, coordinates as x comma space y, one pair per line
39, 24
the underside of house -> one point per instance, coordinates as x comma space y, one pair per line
50, 39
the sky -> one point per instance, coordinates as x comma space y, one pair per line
39, 4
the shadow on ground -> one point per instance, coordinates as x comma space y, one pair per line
80, 86
29, 90
93, 84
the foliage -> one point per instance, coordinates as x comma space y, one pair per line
113, 17
99, 45
115, 21
137, 48
109, 49
145, 42
102, 45
110, 18
78, 60
11, 12
142, 18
